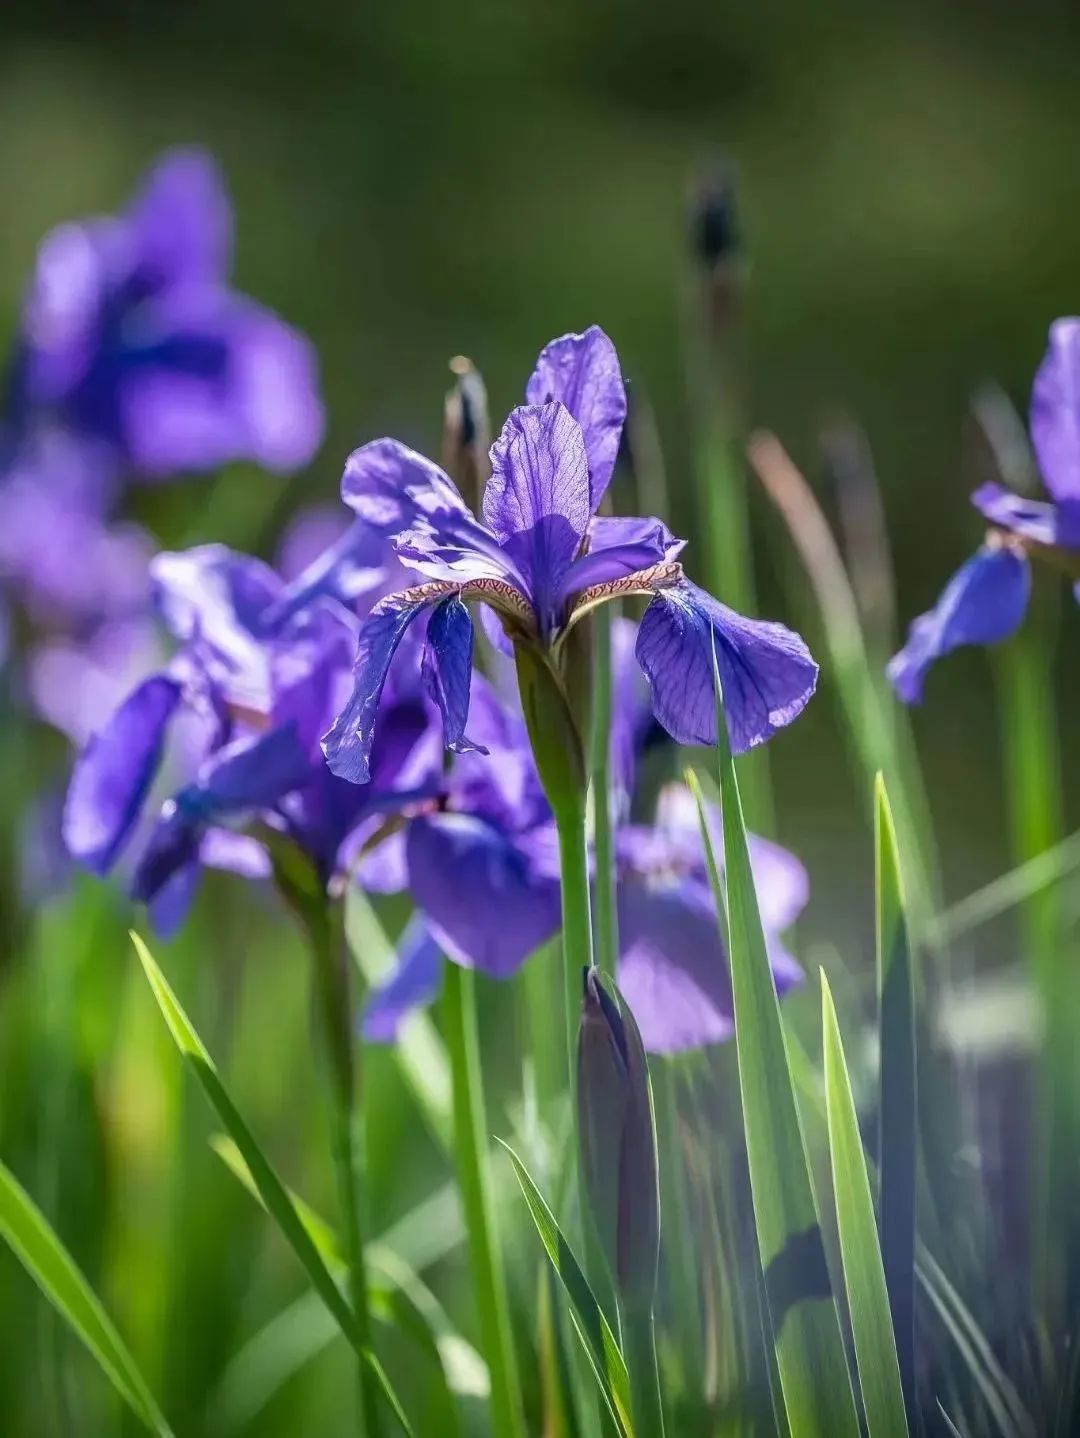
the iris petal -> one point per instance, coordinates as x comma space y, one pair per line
1055, 411
347, 746
618, 547
537, 499
1032, 519
113, 774
984, 602
486, 903
766, 672
582, 372
415, 982
447, 669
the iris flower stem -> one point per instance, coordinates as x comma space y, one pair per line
576, 918
471, 1148
606, 913
332, 978
639, 1348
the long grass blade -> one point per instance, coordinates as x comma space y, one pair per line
601, 1347
272, 1192
864, 1274
809, 1345
897, 1105
27, 1233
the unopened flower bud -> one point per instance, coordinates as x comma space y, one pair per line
716, 244
466, 430
617, 1139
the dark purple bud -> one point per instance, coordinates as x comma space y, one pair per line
714, 221
617, 1139
467, 431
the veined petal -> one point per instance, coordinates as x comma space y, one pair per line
618, 547
766, 671
582, 372
1031, 519
483, 900
415, 982
984, 602
447, 669
391, 487
113, 774
1055, 411
347, 746
537, 499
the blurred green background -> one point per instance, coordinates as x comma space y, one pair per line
415, 180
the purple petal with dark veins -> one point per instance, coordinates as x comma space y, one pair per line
618, 547
485, 903
390, 487
1055, 411
113, 774
1054, 524
537, 499
447, 670
984, 602
347, 746
582, 372
766, 671
673, 969
415, 982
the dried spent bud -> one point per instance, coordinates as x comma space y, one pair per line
617, 1139
715, 237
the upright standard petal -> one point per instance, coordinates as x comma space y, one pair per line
348, 744
484, 900
537, 499
415, 982
181, 222
582, 372
1055, 411
984, 602
447, 669
113, 774
767, 673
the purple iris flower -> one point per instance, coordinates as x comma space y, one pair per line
987, 598
249, 693
540, 558
133, 342
482, 869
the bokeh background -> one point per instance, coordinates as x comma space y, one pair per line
414, 180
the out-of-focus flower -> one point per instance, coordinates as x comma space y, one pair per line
253, 693
541, 559
987, 598
132, 340
617, 1140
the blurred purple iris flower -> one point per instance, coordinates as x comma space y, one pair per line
482, 869
987, 598
133, 342
251, 686
541, 557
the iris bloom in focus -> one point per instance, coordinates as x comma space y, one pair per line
987, 598
481, 866
247, 695
540, 558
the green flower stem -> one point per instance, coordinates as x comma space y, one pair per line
471, 1147
639, 1348
576, 918
605, 912
332, 978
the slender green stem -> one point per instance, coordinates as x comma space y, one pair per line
639, 1346
605, 912
346, 1140
471, 1146
576, 918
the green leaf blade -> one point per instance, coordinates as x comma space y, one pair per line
864, 1274
30, 1237
897, 1103
600, 1345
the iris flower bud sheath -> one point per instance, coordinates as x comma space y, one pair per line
617, 1140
